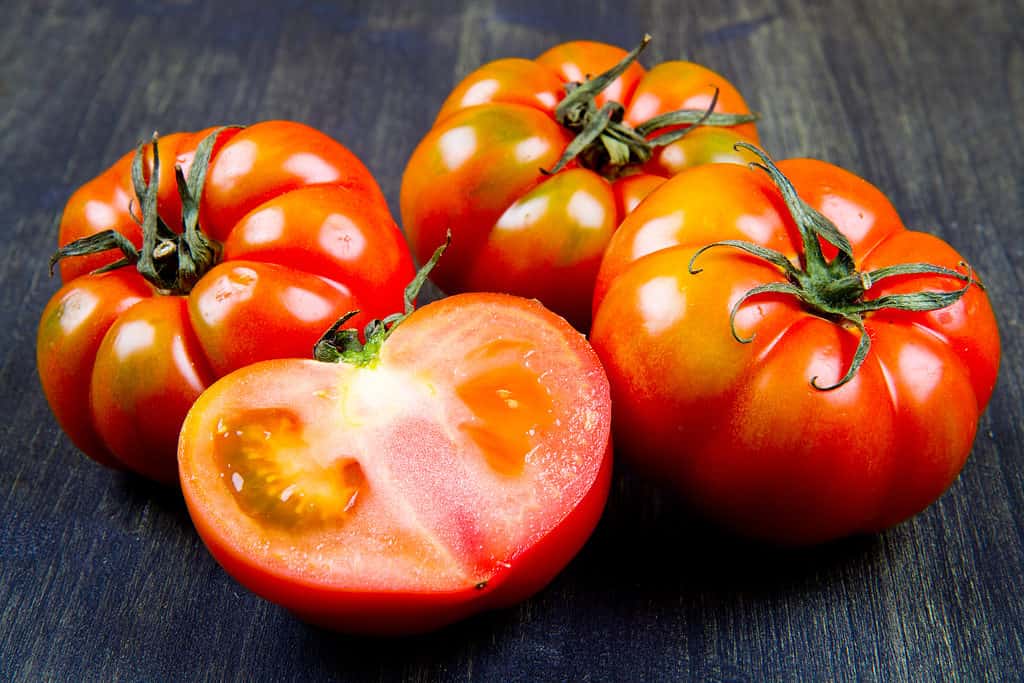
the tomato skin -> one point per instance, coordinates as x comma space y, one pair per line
107, 201
494, 134
548, 244
737, 428
328, 231
685, 85
579, 60
494, 553
270, 158
246, 311
512, 81
703, 205
70, 331
398, 612
101, 204
121, 364
475, 155
149, 370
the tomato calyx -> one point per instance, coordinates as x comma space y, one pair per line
172, 262
338, 345
833, 289
605, 144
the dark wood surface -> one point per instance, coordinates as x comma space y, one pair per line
101, 575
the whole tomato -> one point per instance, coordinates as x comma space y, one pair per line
532, 166
452, 463
820, 372
278, 230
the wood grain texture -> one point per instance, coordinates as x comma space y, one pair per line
101, 575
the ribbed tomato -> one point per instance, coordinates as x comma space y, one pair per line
532, 164
819, 373
281, 231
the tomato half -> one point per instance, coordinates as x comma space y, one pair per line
305, 236
753, 404
519, 230
458, 471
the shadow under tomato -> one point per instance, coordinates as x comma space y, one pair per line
650, 561
137, 496
653, 545
427, 656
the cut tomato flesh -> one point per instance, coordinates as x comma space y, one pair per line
509, 404
277, 479
476, 434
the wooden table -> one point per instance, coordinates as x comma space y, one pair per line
102, 576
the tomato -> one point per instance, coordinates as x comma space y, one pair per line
303, 235
795, 403
457, 468
480, 171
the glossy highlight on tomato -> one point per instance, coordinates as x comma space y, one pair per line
519, 230
304, 234
754, 403
458, 471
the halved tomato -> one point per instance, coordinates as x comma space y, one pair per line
456, 465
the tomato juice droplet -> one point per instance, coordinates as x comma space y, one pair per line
510, 405
277, 479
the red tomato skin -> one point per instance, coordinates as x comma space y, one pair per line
490, 178
70, 331
548, 244
149, 371
345, 607
246, 311
101, 204
336, 248
632, 190
179, 149
968, 326
512, 81
578, 60
722, 201
684, 85
475, 155
108, 202
272, 157
535, 567
737, 428
326, 230
928, 380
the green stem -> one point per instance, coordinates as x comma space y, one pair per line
339, 345
833, 290
101, 241
863, 346
172, 262
605, 144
